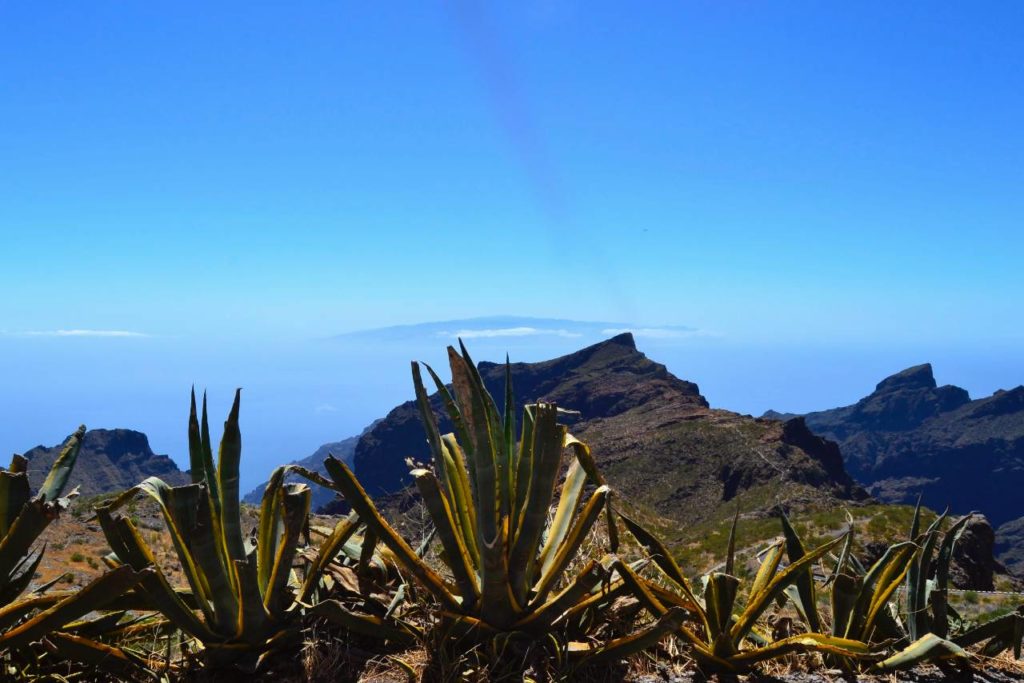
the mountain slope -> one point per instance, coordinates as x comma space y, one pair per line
653, 434
110, 460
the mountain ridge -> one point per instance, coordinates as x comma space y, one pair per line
912, 436
653, 434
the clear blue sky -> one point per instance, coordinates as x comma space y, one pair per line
256, 175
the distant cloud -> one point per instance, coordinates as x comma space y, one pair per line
508, 332
324, 408
658, 332
80, 333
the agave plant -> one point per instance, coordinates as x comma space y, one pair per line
864, 606
23, 517
490, 496
244, 598
725, 641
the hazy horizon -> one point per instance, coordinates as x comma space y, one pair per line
304, 393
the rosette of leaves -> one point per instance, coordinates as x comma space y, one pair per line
726, 637
864, 605
490, 495
244, 598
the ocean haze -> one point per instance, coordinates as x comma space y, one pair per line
299, 394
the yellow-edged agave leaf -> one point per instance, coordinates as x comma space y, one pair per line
580, 528
806, 599
926, 648
459, 559
938, 598
768, 568
806, 642
757, 604
883, 583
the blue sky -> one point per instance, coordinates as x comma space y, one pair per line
805, 182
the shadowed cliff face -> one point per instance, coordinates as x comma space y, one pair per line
110, 460
653, 435
910, 436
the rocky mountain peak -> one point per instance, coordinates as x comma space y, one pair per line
109, 460
916, 377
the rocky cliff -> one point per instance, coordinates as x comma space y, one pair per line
110, 460
911, 436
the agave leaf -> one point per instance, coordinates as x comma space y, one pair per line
524, 466
918, 619
57, 478
663, 559
992, 629
200, 458
843, 598
269, 524
353, 491
458, 556
295, 502
455, 416
926, 648
427, 414
769, 566
730, 553
21, 576
807, 601
547, 613
496, 444
486, 452
14, 495
227, 481
126, 542
719, 599
548, 438
568, 502
884, 583
939, 596
806, 642
581, 527
757, 604
462, 495
253, 617
179, 505
509, 428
